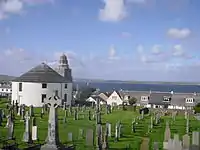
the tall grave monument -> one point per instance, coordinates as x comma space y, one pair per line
52, 140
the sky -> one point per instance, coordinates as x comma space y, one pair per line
143, 40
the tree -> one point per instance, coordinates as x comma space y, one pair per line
132, 101
197, 108
86, 92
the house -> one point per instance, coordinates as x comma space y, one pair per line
115, 99
39, 83
5, 90
91, 99
184, 101
141, 96
102, 97
160, 99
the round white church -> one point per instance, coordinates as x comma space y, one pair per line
32, 87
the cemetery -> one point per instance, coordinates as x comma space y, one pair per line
56, 126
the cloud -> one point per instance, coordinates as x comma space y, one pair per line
179, 33
10, 7
143, 65
156, 49
126, 34
112, 53
114, 10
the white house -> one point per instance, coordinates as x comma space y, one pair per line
39, 83
91, 99
5, 90
114, 99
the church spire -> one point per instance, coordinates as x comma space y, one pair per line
63, 62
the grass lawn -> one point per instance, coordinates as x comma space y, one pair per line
126, 117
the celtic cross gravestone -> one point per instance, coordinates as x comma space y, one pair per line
52, 140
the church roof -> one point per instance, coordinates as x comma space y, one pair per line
42, 74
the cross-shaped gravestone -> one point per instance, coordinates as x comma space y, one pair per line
27, 133
52, 140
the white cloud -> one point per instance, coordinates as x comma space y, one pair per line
114, 10
9, 7
179, 33
126, 34
156, 49
178, 51
140, 49
112, 53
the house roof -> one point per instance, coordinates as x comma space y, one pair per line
42, 74
157, 98
103, 96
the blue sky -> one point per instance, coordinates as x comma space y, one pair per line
149, 40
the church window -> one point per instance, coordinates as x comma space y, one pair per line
56, 93
44, 85
43, 97
20, 87
65, 97
65, 86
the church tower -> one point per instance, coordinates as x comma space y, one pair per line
63, 68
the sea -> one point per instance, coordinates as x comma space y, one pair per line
110, 86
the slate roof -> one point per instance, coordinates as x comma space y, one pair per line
42, 74
157, 98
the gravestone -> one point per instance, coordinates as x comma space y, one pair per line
1, 117
31, 111
108, 126
195, 138
167, 134
81, 133
99, 136
52, 140
27, 133
70, 137
186, 142
89, 137
9, 120
10, 130
145, 144
155, 146
34, 133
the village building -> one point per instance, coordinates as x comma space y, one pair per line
166, 100
32, 87
5, 90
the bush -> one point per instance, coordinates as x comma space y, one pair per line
132, 101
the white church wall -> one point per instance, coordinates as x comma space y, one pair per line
31, 93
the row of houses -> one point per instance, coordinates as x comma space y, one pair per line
5, 89
168, 100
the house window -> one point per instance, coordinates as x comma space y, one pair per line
65, 97
43, 97
114, 97
56, 92
20, 87
189, 100
144, 98
65, 86
166, 99
44, 85
2, 89
6, 89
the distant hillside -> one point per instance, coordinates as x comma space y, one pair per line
6, 78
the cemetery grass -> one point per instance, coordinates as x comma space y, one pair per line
126, 117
